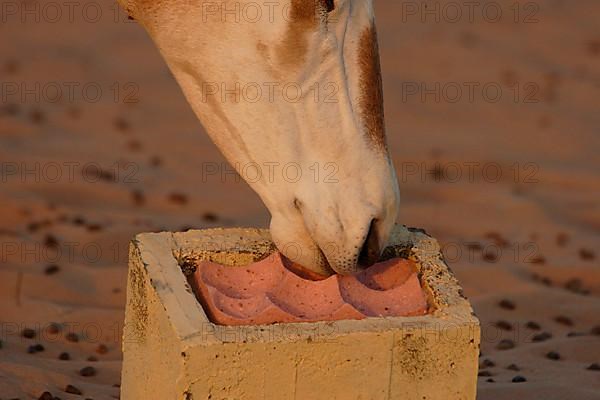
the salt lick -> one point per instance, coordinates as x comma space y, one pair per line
267, 292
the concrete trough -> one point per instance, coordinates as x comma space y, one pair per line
172, 350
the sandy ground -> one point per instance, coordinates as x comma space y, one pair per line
510, 184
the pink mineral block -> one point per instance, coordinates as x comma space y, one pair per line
267, 292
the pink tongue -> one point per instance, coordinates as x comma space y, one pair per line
267, 292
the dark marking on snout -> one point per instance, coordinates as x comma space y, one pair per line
371, 88
304, 16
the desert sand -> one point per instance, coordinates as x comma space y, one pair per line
494, 127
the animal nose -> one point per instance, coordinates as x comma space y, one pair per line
370, 251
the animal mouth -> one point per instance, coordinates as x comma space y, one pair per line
369, 253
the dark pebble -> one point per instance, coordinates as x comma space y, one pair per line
564, 320
541, 260
72, 337
533, 326
210, 217
50, 241
576, 286
92, 358
540, 337
504, 325
507, 304
94, 228
11, 67
487, 363
139, 199
101, 349
542, 279
51, 269
10, 109
519, 379
33, 226
53, 328
513, 367
484, 373
78, 221
587, 255
595, 330
121, 124
490, 380
36, 348
155, 161
594, 367
95, 174
37, 116
490, 256
562, 239
178, 198
73, 390
553, 356
87, 371
64, 356
134, 145
46, 396
28, 333
575, 334
506, 344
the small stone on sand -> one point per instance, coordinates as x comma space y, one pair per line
36, 348
507, 304
28, 333
72, 337
504, 325
101, 349
541, 337
506, 344
73, 390
53, 328
51, 269
87, 371
487, 363
561, 319
534, 326
587, 255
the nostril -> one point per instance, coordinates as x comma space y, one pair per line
369, 254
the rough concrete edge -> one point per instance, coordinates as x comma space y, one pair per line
165, 276
192, 324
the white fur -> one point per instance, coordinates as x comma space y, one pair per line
309, 214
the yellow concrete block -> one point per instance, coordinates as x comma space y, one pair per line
172, 351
